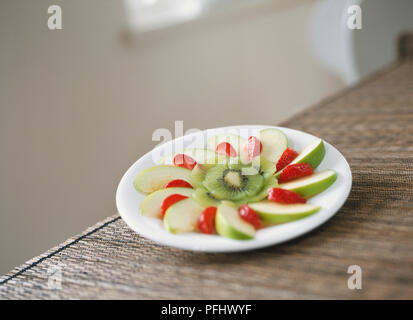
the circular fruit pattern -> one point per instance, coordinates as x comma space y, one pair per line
238, 186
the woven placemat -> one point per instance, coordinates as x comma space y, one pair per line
371, 124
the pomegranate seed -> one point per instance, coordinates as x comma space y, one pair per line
178, 183
170, 200
254, 147
184, 161
226, 148
286, 158
250, 216
206, 221
295, 171
284, 196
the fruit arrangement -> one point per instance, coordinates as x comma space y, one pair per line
235, 186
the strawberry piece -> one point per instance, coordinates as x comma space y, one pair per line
250, 216
170, 200
286, 158
254, 147
206, 221
178, 183
284, 196
294, 171
226, 148
184, 161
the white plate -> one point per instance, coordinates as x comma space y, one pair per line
128, 200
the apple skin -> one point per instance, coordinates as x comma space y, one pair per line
263, 210
186, 212
151, 205
308, 190
224, 227
313, 158
155, 178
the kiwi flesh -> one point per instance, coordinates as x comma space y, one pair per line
270, 182
228, 182
264, 166
198, 174
204, 198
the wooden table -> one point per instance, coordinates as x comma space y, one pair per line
372, 125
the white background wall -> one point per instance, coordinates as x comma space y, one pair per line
79, 105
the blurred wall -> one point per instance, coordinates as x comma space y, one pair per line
79, 105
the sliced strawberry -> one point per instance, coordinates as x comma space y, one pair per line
286, 158
226, 148
284, 196
295, 171
178, 183
184, 161
206, 221
254, 147
170, 200
250, 216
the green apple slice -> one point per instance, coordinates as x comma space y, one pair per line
199, 155
274, 143
229, 224
279, 213
155, 178
182, 216
151, 205
311, 185
312, 154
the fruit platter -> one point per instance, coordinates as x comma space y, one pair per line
239, 188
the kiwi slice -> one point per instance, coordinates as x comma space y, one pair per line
227, 182
264, 166
198, 174
270, 182
204, 198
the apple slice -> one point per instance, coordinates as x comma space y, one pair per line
182, 216
229, 224
274, 142
312, 154
155, 178
199, 155
151, 205
279, 213
311, 185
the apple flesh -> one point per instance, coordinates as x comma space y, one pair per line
155, 178
280, 213
311, 185
182, 216
274, 143
229, 224
151, 205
